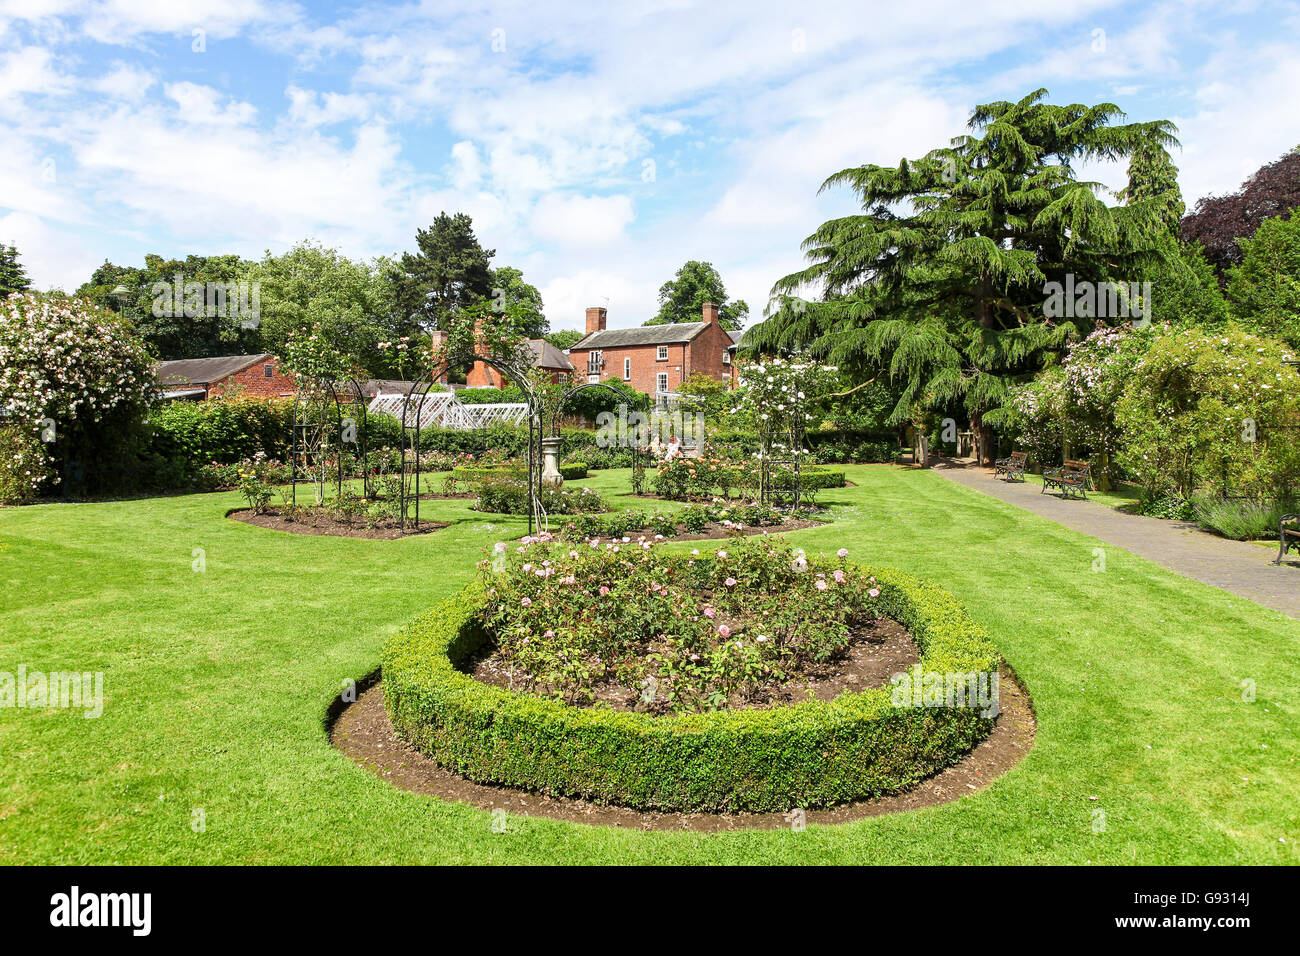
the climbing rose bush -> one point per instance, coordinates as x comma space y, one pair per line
681, 632
1217, 411
779, 397
65, 365
1075, 402
24, 466
68, 360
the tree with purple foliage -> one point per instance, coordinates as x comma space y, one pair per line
1218, 222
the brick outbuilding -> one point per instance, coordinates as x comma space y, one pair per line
204, 378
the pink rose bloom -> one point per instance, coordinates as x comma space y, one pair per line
724, 630
603, 590
730, 582
821, 585
874, 592
839, 576
722, 554
526, 601
709, 612
842, 552
549, 633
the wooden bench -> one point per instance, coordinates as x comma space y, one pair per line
1011, 467
1073, 477
1288, 535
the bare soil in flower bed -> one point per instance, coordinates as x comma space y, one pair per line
875, 653
386, 528
363, 732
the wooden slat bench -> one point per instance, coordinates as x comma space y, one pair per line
1288, 535
1073, 477
1012, 467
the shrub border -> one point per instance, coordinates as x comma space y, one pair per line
810, 754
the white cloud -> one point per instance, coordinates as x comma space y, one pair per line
123, 21
199, 106
54, 258
31, 70
581, 220
466, 166
311, 108
1246, 118
568, 296
125, 82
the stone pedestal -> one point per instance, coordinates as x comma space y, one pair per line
551, 462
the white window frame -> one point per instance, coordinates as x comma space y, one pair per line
627, 369
726, 357
661, 381
662, 354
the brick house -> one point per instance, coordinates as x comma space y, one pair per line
544, 355
204, 378
655, 359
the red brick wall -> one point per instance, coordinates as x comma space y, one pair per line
253, 382
482, 375
645, 366
703, 354
706, 353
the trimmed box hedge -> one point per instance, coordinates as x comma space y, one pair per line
473, 473
573, 470
811, 754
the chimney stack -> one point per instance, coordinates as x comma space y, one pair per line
438, 341
595, 319
711, 313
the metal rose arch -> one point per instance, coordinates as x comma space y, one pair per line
315, 432
506, 361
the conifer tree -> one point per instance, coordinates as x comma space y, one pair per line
940, 282
13, 275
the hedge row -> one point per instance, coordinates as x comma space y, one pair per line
811, 754
569, 472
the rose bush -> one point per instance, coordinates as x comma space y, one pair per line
687, 632
79, 375
1216, 411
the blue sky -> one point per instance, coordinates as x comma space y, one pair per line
597, 146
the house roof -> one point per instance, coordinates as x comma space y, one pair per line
204, 371
736, 337
673, 333
546, 355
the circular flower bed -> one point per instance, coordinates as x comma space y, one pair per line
699, 633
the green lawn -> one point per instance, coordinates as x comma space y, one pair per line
216, 684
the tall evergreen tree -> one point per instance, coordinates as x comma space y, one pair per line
449, 272
695, 283
941, 281
13, 275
